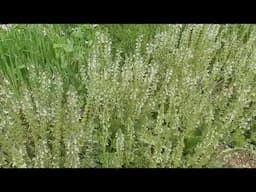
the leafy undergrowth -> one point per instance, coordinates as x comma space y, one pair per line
72, 98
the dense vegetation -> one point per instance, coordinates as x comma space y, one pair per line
126, 95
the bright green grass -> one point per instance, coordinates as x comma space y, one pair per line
52, 47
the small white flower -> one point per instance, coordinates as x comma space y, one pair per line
6, 27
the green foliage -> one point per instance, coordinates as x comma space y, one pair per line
70, 98
124, 36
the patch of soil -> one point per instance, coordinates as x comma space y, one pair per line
240, 159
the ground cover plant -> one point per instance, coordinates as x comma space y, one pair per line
127, 95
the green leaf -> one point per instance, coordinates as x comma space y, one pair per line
69, 46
